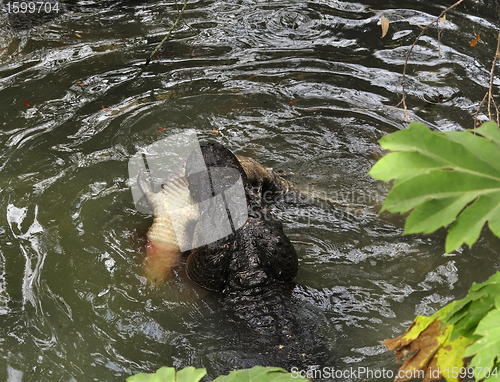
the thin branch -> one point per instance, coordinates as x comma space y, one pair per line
179, 16
492, 73
489, 93
403, 97
477, 111
189, 26
439, 40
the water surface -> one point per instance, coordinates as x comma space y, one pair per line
302, 86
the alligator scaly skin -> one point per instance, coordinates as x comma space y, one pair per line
251, 271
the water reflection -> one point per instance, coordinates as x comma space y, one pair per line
74, 304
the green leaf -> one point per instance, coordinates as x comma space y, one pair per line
463, 328
190, 374
445, 178
167, 374
475, 312
489, 323
438, 184
259, 374
454, 149
486, 350
466, 313
494, 376
436, 213
470, 223
402, 165
490, 131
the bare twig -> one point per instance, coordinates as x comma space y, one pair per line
179, 16
489, 94
424, 29
439, 40
477, 111
184, 21
492, 74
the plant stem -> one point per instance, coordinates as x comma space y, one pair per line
179, 16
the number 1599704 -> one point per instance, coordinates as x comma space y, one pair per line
31, 7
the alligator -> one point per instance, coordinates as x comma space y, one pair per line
251, 271
179, 190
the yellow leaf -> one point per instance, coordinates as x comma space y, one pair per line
442, 19
419, 325
423, 349
422, 342
451, 355
385, 25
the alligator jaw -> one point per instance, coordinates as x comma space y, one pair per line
159, 262
162, 249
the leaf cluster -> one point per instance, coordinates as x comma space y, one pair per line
190, 374
444, 178
448, 179
441, 343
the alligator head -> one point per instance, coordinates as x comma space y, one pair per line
256, 255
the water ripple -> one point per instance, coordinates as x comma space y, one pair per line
306, 87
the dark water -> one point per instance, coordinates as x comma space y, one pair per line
303, 86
